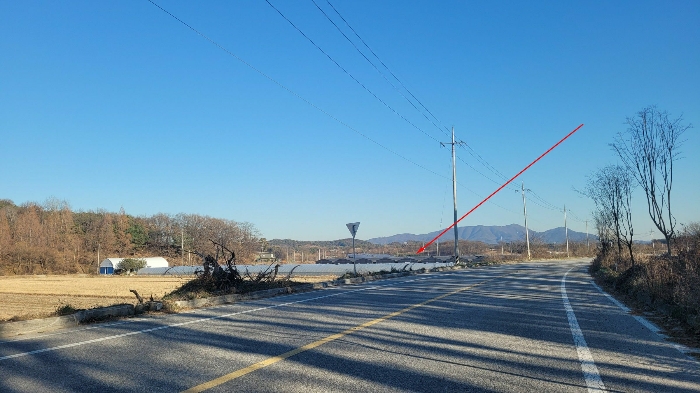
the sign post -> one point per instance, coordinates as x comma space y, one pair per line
353, 231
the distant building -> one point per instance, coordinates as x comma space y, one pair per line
265, 257
109, 265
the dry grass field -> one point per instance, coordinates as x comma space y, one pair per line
25, 297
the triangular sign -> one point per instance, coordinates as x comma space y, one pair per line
353, 228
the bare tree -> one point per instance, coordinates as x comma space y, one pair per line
689, 239
610, 188
648, 149
604, 228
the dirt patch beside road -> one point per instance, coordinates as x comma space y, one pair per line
26, 297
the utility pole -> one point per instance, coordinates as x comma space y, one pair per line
454, 193
566, 233
527, 235
588, 245
182, 246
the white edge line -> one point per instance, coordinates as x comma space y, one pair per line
640, 319
649, 325
612, 299
590, 372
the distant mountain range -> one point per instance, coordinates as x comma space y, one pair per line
490, 235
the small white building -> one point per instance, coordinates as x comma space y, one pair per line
109, 265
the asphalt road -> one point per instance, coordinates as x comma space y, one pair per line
539, 326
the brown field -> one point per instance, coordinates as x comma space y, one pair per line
26, 297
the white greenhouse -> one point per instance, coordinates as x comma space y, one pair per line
109, 265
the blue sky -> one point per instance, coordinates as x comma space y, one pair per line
117, 104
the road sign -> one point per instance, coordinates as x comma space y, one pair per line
353, 228
353, 231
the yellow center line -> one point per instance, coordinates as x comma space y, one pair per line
270, 361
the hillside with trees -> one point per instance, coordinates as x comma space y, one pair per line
50, 238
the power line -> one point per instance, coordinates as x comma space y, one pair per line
476, 170
482, 174
549, 205
489, 201
381, 62
471, 151
552, 206
534, 201
308, 102
575, 217
348, 73
291, 91
541, 202
485, 163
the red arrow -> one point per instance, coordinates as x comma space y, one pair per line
499, 189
